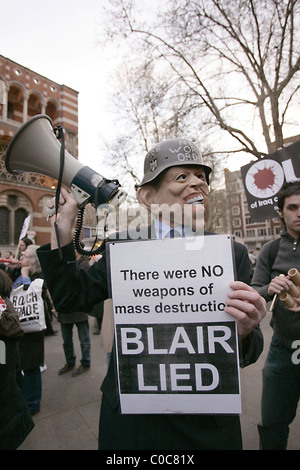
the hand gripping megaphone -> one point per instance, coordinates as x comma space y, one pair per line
35, 148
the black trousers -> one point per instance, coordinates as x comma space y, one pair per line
167, 432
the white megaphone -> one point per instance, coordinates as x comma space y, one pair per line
35, 148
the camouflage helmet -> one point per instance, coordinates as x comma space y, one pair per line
173, 152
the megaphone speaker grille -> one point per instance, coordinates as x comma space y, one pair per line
35, 148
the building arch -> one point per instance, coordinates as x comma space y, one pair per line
15, 206
15, 101
3, 87
4, 226
2, 95
35, 104
52, 109
15, 83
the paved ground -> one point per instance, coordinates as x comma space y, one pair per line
69, 414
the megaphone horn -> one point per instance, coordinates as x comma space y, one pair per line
35, 148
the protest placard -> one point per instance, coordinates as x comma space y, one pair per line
25, 227
29, 306
177, 350
264, 178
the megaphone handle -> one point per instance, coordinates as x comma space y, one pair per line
81, 197
50, 212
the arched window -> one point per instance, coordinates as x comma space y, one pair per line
4, 226
20, 216
15, 103
14, 208
51, 110
34, 105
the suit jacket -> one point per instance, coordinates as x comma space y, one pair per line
75, 317
80, 290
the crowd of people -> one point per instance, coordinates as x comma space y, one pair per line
21, 372
74, 288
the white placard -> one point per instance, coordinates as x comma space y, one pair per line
177, 350
25, 227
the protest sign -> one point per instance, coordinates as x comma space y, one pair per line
29, 306
177, 350
25, 227
264, 178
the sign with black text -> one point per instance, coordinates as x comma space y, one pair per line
177, 350
264, 178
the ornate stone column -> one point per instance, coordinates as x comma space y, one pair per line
25, 105
3, 99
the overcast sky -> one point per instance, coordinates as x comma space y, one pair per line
59, 40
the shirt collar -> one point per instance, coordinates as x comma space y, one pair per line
162, 229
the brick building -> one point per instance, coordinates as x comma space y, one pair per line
24, 94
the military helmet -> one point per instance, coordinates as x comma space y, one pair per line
172, 152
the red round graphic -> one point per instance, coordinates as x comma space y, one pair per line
2, 305
264, 178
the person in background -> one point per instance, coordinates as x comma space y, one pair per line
9, 255
15, 418
14, 269
23, 244
80, 319
281, 372
32, 344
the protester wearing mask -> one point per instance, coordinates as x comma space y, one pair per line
174, 174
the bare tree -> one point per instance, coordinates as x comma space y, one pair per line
235, 65
149, 107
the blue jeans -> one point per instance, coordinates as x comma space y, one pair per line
280, 396
32, 388
84, 338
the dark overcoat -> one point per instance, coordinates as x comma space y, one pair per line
15, 418
72, 290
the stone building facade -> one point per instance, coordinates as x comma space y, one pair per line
24, 94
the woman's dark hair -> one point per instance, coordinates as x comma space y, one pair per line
13, 272
27, 241
5, 284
